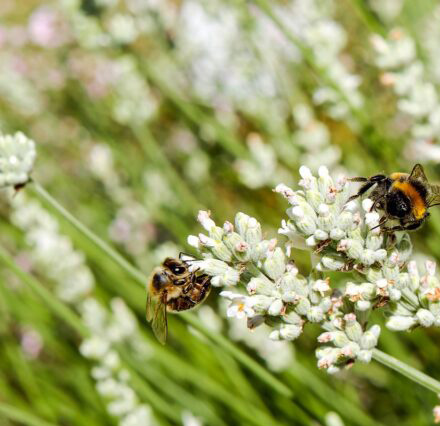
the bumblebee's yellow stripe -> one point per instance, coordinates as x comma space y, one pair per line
418, 203
397, 175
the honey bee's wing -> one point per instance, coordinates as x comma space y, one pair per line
159, 323
418, 173
150, 307
434, 196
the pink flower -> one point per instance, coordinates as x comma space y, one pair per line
48, 28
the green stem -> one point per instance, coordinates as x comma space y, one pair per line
105, 247
18, 415
411, 373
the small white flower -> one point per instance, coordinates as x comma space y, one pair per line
238, 307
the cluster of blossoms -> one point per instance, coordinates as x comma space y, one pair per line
342, 236
17, 156
419, 304
418, 97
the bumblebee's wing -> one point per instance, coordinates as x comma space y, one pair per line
157, 314
418, 173
434, 196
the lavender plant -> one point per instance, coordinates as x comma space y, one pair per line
157, 108
264, 285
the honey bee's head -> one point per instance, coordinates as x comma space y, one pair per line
176, 267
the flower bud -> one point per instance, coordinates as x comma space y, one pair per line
363, 305
400, 323
308, 181
275, 264
220, 251
321, 235
394, 294
228, 227
355, 248
380, 255
332, 263
249, 228
290, 331
345, 220
340, 339
425, 318
311, 241
194, 241
369, 340
303, 306
337, 234
276, 308
364, 356
306, 225
287, 193
367, 257
260, 285
216, 233
315, 314
352, 328
373, 242
292, 318
259, 303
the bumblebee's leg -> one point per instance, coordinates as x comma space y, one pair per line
376, 202
358, 179
382, 220
363, 189
409, 226
367, 185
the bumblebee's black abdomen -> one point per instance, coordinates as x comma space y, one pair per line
398, 204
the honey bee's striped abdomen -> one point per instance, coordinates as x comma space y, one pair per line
192, 295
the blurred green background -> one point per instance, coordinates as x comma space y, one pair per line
145, 111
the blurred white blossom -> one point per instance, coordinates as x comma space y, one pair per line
17, 156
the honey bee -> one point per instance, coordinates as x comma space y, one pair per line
172, 287
402, 196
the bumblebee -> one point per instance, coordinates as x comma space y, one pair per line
172, 287
401, 196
